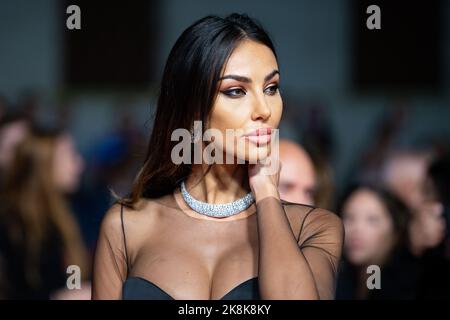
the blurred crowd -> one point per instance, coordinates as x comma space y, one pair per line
394, 204
53, 198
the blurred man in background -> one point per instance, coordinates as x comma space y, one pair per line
304, 178
297, 176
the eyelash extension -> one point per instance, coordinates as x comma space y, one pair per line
275, 86
229, 92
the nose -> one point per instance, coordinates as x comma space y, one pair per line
261, 109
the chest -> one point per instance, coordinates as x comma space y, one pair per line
198, 260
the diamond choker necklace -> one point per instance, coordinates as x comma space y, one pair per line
220, 210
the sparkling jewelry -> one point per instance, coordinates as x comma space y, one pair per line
220, 210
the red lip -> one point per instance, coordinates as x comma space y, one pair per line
260, 132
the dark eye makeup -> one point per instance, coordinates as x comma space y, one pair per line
239, 92
234, 92
272, 90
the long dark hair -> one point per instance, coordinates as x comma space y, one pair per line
351, 276
33, 206
188, 90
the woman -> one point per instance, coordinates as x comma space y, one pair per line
13, 128
376, 225
39, 238
435, 257
220, 231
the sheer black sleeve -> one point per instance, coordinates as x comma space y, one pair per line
321, 240
110, 262
298, 263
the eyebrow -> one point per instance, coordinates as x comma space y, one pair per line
248, 80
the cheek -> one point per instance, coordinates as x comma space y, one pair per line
276, 104
236, 114
352, 232
229, 114
360, 231
379, 238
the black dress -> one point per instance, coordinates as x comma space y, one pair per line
155, 250
136, 288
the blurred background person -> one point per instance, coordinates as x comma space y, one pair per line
39, 237
325, 185
302, 179
375, 223
435, 253
297, 176
13, 129
405, 174
437, 189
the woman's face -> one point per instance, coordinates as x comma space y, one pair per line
248, 99
67, 165
369, 230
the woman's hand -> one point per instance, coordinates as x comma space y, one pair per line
264, 177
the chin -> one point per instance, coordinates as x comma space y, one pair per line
256, 154
357, 260
250, 160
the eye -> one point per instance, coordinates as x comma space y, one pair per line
271, 90
234, 93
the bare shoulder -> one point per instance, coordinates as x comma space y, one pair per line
119, 215
130, 225
112, 219
144, 219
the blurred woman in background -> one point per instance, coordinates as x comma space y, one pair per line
39, 237
376, 225
13, 129
435, 259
